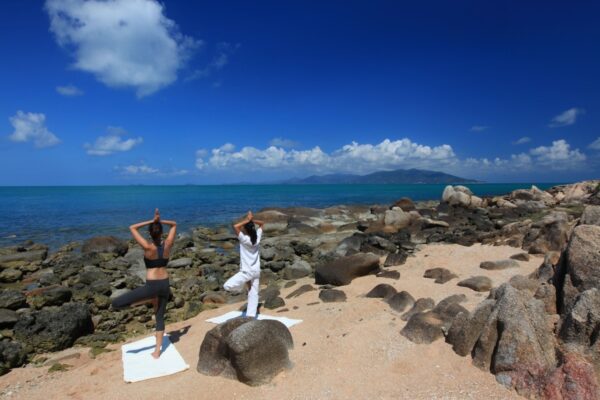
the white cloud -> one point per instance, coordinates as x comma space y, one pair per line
145, 170
558, 156
523, 140
353, 157
568, 117
123, 43
479, 128
595, 145
111, 143
32, 127
282, 142
69, 91
220, 60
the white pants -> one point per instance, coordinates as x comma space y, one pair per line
236, 284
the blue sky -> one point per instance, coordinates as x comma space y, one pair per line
175, 92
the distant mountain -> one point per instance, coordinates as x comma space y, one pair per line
382, 177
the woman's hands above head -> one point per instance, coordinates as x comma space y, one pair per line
250, 216
156, 215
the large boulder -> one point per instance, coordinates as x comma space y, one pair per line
591, 216
54, 329
581, 324
250, 350
382, 291
12, 355
275, 221
343, 270
509, 334
105, 244
582, 264
397, 218
551, 233
49, 296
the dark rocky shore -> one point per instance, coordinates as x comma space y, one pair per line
538, 334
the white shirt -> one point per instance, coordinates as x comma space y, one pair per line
249, 253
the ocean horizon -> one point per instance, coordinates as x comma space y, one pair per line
56, 215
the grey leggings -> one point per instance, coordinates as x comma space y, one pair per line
158, 288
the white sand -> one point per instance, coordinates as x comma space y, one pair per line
349, 350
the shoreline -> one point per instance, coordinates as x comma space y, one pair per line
76, 283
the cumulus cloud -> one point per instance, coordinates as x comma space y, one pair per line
282, 142
123, 43
479, 128
113, 142
353, 157
69, 91
31, 127
595, 145
220, 60
523, 140
559, 155
566, 118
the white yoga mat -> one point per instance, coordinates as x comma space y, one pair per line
234, 314
139, 365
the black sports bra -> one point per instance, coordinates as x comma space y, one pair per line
159, 262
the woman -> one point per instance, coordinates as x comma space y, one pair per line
249, 274
156, 257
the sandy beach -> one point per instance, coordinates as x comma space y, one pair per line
341, 350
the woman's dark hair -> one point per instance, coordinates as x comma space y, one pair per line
251, 231
155, 229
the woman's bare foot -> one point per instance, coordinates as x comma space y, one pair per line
156, 354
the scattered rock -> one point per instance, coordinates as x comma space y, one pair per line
520, 257
52, 296
7, 318
477, 283
300, 291
12, 299
22, 257
397, 218
583, 259
382, 291
423, 327
297, 270
441, 275
12, 355
394, 259
401, 301
500, 264
10, 275
389, 274
180, 263
420, 305
332, 296
590, 216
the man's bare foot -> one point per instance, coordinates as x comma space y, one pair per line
156, 354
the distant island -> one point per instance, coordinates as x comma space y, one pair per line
398, 176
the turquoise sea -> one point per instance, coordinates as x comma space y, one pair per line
58, 215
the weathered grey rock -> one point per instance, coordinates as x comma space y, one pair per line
397, 218
350, 245
591, 215
459, 199
583, 261
105, 244
23, 257
270, 297
440, 275
477, 283
251, 350
180, 263
53, 296
342, 270
394, 259
7, 318
10, 275
499, 264
297, 270
332, 296
553, 233
421, 305
134, 256
401, 301
581, 323
431, 223
382, 291
12, 355
467, 327
448, 191
53, 329
405, 203
300, 291
423, 327
12, 299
